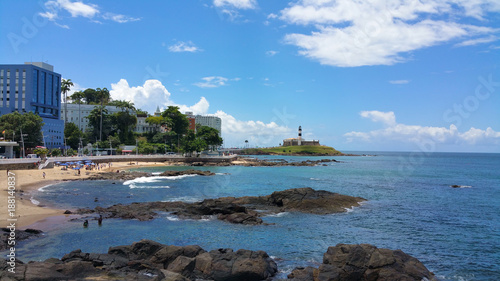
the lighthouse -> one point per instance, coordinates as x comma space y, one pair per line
299, 139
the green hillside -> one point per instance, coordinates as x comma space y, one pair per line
294, 150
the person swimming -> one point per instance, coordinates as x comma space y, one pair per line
86, 223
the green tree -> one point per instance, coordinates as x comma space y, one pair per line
209, 135
94, 124
55, 152
123, 105
191, 143
103, 96
41, 152
77, 97
124, 123
72, 134
156, 120
66, 85
175, 120
29, 123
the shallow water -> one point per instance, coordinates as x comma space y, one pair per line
455, 232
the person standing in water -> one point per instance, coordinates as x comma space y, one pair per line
99, 220
86, 223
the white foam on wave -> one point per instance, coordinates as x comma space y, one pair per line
42, 189
145, 186
156, 173
172, 218
153, 179
278, 215
34, 201
183, 199
314, 179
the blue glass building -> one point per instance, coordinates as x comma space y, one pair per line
35, 87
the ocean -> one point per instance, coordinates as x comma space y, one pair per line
411, 206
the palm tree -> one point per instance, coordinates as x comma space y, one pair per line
66, 85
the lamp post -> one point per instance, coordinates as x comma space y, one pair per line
136, 148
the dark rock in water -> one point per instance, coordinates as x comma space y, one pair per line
364, 262
149, 260
67, 212
240, 210
20, 235
124, 176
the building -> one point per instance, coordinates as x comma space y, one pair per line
77, 114
35, 87
209, 121
299, 141
192, 121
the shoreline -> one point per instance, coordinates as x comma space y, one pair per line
27, 182
31, 215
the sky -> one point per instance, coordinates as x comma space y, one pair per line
373, 75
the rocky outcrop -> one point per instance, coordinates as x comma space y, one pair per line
242, 210
150, 260
282, 162
364, 262
130, 175
18, 235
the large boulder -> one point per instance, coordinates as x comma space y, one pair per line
308, 200
364, 262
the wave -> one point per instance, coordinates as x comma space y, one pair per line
172, 218
187, 199
154, 179
278, 215
42, 189
314, 179
146, 186
34, 201
460, 186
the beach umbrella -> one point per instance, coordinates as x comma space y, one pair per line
76, 168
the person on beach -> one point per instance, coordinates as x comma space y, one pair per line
99, 220
86, 223
43, 174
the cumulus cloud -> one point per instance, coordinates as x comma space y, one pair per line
415, 134
358, 33
80, 9
153, 93
258, 133
212, 82
184, 47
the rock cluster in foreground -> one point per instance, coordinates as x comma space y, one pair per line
130, 175
241, 210
18, 235
149, 260
364, 262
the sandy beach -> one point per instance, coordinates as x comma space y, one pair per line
27, 181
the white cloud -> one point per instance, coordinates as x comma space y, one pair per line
357, 33
212, 82
184, 47
271, 53
234, 131
399, 82
258, 133
80, 9
477, 41
238, 4
119, 18
388, 118
415, 134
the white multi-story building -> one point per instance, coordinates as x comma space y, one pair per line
207, 120
77, 114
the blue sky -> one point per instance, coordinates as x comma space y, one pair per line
366, 75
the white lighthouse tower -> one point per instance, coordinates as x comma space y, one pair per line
299, 139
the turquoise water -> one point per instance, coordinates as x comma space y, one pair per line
455, 232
